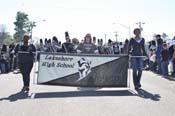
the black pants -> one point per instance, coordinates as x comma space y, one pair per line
25, 69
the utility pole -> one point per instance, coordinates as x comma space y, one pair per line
116, 35
140, 25
105, 38
125, 26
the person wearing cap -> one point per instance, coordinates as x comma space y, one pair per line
94, 40
68, 47
48, 47
109, 48
137, 49
100, 46
41, 46
55, 45
26, 61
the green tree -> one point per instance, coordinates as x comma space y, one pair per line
9, 41
164, 35
21, 25
4, 35
3, 32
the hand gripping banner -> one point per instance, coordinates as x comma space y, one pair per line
83, 70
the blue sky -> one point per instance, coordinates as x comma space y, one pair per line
92, 16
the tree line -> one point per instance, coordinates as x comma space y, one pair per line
22, 26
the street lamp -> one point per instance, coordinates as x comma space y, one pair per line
125, 26
140, 25
116, 35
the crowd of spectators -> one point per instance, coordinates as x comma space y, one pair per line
160, 60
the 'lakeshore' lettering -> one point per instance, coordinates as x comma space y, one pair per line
60, 58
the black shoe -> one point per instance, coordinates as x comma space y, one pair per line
27, 89
137, 87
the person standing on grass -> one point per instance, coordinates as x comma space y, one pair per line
137, 49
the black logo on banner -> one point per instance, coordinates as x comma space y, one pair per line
84, 68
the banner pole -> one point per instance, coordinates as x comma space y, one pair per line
35, 67
129, 71
26, 52
13, 62
137, 56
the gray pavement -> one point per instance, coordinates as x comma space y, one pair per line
157, 98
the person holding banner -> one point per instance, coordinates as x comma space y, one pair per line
26, 58
137, 50
87, 47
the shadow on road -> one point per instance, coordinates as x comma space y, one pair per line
147, 95
117, 93
169, 78
17, 96
83, 94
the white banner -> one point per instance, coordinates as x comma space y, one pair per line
52, 66
83, 70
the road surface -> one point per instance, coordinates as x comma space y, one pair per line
157, 98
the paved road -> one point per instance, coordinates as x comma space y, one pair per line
157, 98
